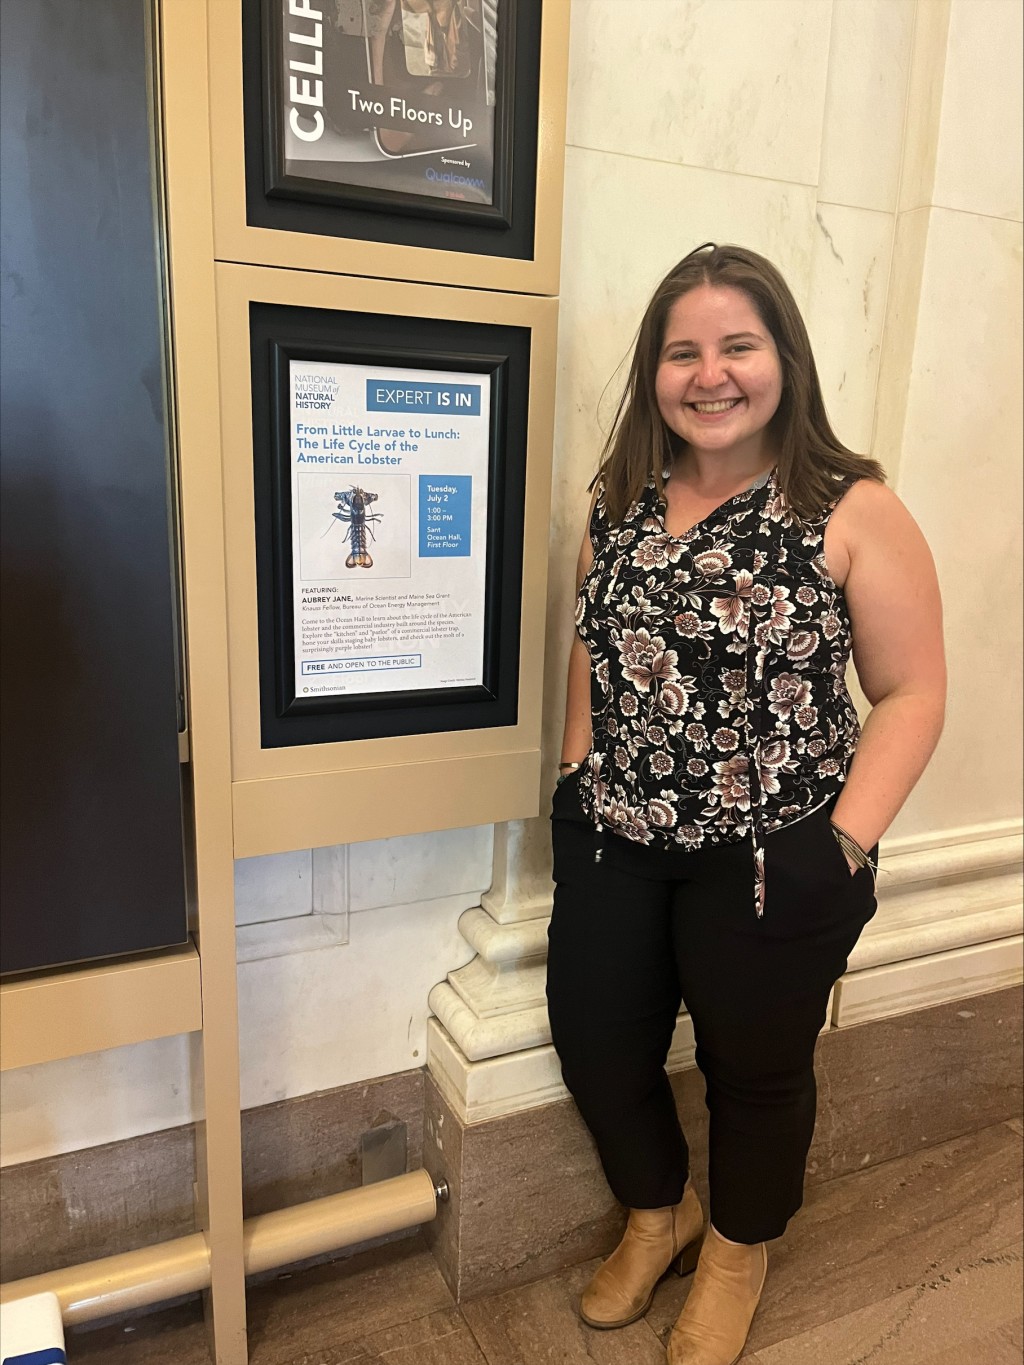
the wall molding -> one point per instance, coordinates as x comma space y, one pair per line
953, 837
324, 924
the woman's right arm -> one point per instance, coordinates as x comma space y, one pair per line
576, 738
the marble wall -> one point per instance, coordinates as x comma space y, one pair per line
956, 386
871, 148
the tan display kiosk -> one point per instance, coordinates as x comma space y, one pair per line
299, 796
250, 796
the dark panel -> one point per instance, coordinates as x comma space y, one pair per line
92, 829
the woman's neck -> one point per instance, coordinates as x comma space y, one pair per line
709, 474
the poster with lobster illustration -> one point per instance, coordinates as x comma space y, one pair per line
389, 488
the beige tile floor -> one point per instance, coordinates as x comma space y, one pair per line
917, 1261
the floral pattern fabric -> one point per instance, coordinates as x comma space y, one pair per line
718, 673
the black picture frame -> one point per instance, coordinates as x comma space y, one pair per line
280, 333
312, 204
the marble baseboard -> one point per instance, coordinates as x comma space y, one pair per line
528, 1197
307, 1147
79, 1206
896, 1085
83, 1205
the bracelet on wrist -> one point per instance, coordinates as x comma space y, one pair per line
851, 848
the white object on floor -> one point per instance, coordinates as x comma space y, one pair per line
31, 1331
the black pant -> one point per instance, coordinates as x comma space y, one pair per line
642, 929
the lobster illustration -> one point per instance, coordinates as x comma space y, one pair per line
352, 512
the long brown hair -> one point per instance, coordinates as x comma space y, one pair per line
810, 455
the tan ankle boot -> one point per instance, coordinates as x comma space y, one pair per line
655, 1239
713, 1326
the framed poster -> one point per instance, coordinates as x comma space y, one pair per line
389, 477
395, 120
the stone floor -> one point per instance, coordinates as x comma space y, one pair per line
917, 1261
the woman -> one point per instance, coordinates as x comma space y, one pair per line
718, 810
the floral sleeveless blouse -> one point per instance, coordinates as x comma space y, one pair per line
718, 674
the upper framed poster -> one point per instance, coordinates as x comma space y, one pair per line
394, 121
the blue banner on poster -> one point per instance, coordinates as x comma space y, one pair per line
446, 506
424, 396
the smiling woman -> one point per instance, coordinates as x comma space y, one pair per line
709, 834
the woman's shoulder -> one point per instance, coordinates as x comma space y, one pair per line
869, 521
862, 502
